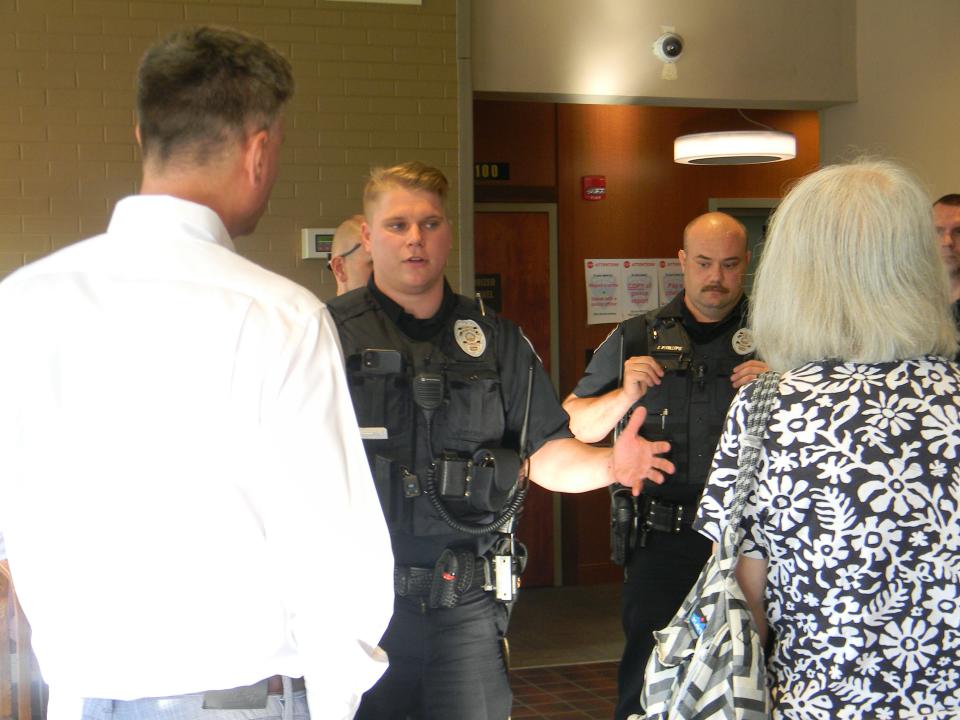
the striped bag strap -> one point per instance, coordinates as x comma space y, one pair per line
751, 442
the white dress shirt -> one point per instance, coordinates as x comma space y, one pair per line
184, 496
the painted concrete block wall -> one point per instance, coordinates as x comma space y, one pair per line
376, 84
908, 106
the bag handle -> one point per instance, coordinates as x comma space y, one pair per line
751, 442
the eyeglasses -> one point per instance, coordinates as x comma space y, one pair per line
342, 255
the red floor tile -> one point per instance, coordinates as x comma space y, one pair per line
568, 692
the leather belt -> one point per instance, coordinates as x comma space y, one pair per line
665, 516
249, 697
275, 684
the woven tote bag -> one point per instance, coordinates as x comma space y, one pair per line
708, 663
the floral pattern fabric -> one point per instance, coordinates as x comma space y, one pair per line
857, 512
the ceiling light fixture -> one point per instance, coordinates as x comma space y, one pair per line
735, 147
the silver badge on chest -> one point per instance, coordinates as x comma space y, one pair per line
742, 342
470, 337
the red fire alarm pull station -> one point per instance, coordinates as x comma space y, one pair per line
594, 187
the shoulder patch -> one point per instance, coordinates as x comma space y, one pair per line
470, 337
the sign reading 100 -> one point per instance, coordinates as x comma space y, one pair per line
491, 171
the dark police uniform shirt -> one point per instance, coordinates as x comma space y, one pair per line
514, 355
703, 409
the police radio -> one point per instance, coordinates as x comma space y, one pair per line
484, 482
493, 480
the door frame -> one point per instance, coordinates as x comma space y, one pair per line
551, 211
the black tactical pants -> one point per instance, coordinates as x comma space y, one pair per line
444, 663
657, 578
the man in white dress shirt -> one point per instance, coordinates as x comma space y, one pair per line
186, 504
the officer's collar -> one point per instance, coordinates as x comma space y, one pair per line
409, 325
703, 332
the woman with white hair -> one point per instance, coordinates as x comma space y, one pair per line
851, 552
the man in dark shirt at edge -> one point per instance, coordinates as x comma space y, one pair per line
683, 363
946, 219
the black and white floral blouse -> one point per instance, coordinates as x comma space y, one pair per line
857, 511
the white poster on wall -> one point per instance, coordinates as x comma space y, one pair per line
639, 288
621, 288
671, 279
603, 291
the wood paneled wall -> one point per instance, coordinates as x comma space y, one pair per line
650, 199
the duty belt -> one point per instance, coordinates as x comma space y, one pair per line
664, 516
443, 585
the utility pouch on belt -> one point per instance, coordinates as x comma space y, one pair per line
623, 515
452, 576
485, 481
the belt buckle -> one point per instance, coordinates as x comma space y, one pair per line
677, 518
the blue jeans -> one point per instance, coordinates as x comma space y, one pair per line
289, 706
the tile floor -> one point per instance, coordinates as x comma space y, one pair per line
565, 692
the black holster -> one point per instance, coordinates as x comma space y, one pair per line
623, 523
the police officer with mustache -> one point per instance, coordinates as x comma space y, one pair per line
682, 362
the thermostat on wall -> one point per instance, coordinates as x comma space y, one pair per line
316, 243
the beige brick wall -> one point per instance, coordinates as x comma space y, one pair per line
376, 84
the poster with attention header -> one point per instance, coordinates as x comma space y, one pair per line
640, 289
671, 279
603, 291
621, 288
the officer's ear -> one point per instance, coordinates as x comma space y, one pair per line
365, 236
336, 267
682, 257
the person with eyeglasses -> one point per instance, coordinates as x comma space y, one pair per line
350, 262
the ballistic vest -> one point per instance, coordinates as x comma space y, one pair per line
689, 406
401, 439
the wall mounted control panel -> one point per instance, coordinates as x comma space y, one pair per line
316, 243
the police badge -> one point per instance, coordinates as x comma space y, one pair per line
742, 342
470, 337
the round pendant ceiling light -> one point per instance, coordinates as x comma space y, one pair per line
734, 147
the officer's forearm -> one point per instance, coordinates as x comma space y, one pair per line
592, 418
567, 465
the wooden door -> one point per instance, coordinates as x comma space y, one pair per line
512, 264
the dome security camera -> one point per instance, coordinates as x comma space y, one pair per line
668, 47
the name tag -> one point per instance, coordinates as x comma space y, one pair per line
373, 433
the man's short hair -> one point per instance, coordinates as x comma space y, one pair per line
949, 199
412, 175
198, 87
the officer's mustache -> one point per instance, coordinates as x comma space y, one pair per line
715, 288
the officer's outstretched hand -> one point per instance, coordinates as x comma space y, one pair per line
640, 372
636, 459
